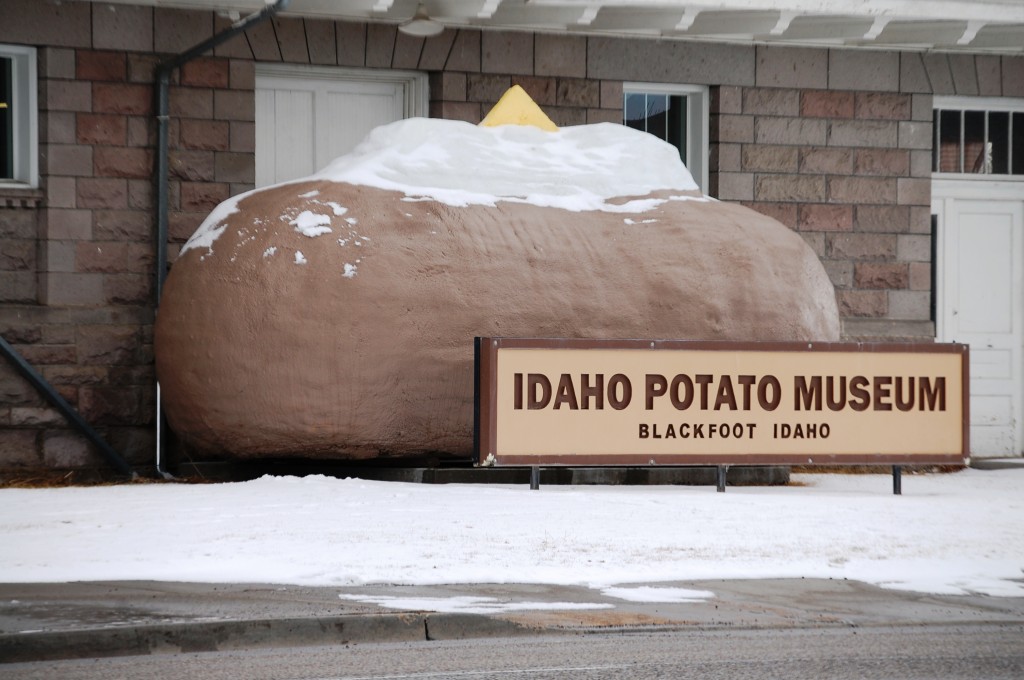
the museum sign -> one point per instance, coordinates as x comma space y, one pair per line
660, 402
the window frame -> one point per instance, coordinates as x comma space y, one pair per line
698, 117
25, 117
962, 104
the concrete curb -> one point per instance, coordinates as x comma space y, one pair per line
211, 636
51, 622
467, 626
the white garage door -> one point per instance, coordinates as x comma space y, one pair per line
981, 302
308, 116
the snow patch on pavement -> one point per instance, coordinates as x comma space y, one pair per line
468, 604
655, 594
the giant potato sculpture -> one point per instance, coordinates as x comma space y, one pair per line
334, 316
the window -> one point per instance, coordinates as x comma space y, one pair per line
19, 167
979, 137
677, 114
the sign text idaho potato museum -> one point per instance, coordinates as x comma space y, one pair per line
644, 402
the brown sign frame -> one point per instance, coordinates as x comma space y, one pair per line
486, 406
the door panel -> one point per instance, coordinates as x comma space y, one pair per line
285, 119
982, 303
303, 123
351, 111
985, 261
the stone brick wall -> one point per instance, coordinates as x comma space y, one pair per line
212, 140
837, 145
834, 143
850, 170
18, 227
81, 312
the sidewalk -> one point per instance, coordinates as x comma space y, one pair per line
83, 620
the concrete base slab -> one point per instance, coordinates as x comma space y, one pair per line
997, 463
737, 475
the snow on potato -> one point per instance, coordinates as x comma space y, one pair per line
334, 316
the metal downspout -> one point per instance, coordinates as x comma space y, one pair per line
163, 80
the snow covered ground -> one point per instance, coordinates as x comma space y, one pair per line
948, 533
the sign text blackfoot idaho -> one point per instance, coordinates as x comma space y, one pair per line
641, 402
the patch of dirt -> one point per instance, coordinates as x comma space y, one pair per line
589, 619
47, 479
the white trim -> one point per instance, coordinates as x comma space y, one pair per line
25, 118
975, 177
960, 103
697, 126
945, 186
417, 94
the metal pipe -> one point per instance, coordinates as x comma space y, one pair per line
163, 83
163, 78
46, 389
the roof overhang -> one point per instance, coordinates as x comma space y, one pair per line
992, 26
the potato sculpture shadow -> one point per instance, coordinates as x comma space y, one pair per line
329, 319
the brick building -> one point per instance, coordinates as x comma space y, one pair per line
894, 144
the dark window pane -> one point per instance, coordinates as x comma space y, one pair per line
6, 120
975, 150
949, 141
634, 110
657, 115
1017, 145
999, 141
677, 125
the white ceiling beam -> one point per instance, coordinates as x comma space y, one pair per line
488, 10
690, 15
588, 16
991, 11
785, 19
976, 25
521, 17
998, 11
877, 26
971, 32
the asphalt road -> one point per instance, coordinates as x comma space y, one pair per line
907, 652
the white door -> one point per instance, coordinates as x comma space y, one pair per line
308, 116
981, 302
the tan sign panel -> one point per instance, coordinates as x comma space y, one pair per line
580, 402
